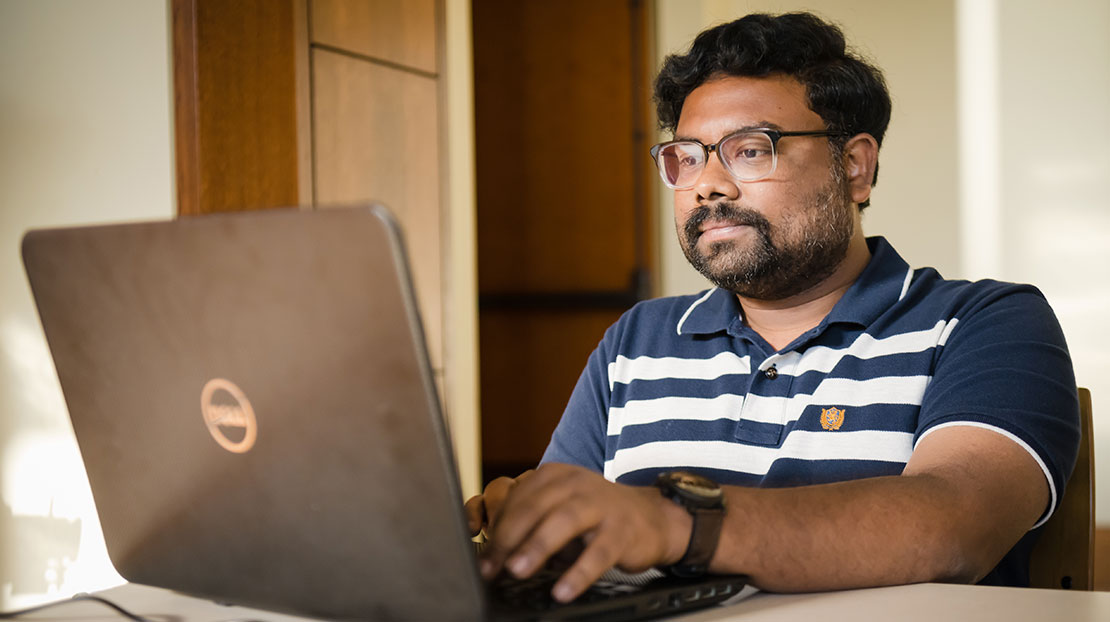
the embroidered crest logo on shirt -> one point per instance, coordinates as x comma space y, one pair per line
832, 418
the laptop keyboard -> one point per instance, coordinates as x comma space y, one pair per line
534, 593
615, 596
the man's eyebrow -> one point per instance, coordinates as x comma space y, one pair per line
759, 125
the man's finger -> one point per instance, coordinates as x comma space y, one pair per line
600, 555
529, 504
553, 534
494, 497
475, 509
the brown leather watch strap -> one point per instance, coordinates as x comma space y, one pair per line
704, 500
704, 535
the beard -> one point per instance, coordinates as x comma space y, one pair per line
781, 262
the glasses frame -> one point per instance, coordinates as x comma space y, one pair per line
773, 135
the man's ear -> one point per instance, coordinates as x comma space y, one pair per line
861, 160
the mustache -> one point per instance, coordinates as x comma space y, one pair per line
725, 212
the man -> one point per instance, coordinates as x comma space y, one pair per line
864, 423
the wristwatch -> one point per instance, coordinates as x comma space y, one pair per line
705, 501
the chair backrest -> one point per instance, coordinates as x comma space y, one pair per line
1064, 555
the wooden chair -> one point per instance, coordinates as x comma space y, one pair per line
1063, 557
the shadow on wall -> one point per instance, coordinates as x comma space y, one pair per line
42, 549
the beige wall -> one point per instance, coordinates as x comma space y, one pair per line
995, 164
461, 325
85, 127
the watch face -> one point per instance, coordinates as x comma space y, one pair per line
694, 485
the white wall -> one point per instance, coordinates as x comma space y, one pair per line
996, 161
1053, 211
85, 136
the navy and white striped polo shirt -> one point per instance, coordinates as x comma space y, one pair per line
681, 382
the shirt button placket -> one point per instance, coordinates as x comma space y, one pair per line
764, 372
771, 371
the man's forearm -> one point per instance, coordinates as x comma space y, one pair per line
844, 535
949, 524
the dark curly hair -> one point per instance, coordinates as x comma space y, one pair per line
848, 93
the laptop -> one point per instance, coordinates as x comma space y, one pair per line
255, 408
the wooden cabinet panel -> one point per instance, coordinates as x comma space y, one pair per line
397, 31
235, 105
376, 136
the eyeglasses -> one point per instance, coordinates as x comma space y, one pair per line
748, 155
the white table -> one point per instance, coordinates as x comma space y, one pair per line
929, 602
926, 602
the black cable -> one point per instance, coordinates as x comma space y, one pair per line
7, 615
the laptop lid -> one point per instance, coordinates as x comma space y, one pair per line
256, 412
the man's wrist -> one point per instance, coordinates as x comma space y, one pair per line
703, 501
678, 524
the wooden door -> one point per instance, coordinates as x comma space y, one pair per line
563, 124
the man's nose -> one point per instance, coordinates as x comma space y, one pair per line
715, 182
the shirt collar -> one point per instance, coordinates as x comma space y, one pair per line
882, 283
712, 312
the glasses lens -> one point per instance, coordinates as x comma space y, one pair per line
748, 156
680, 163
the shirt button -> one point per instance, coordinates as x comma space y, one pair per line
771, 373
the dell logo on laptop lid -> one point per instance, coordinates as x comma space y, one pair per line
228, 415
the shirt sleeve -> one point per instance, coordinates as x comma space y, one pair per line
1005, 367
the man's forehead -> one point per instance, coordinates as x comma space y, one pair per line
727, 104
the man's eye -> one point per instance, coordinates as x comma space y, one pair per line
751, 153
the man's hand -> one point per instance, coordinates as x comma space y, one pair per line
534, 516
